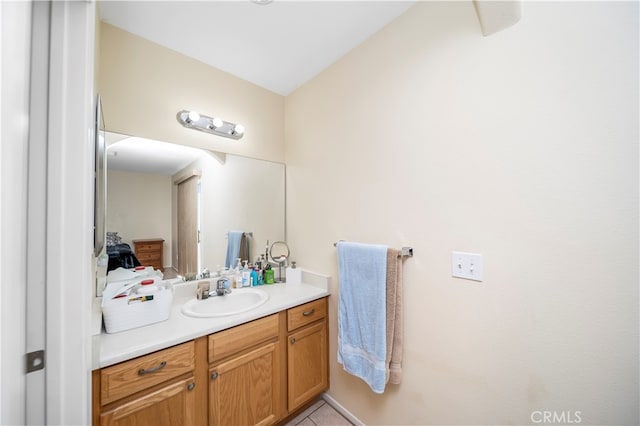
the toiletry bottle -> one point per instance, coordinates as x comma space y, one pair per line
259, 271
238, 274
269, 276
254, 277
246, 276
227, 281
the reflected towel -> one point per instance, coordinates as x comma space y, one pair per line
393, 362
233, 247
244, 248
362, 342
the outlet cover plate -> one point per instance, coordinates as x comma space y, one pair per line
466, 265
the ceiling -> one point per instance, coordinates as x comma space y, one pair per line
278, 46
134, 154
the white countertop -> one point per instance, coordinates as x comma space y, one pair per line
109, 349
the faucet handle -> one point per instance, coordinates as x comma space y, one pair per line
202, 291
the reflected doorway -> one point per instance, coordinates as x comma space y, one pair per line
188, 226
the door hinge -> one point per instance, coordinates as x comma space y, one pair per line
35, 361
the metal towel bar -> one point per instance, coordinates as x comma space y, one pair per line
404, 251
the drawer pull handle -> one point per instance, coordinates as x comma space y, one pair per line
160, 366
307, 313
190, 386
214, 375
292, 340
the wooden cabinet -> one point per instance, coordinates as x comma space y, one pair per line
255, 373
155, 389
173, 404
244, 377
150, 252
307, 353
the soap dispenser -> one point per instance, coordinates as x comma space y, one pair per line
246, 275
294, 274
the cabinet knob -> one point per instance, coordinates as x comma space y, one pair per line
292, 340
190, 386
214, 375
308, 313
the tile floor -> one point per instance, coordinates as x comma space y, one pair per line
319, 414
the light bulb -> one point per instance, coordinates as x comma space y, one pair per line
217, 122
193, 116
238, 129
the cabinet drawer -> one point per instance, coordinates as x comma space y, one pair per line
148, 247
244, 336
146, 256
306, 314
129, 377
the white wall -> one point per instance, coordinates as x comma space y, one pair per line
521, 146
139, 207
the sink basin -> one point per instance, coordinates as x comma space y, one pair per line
236, 302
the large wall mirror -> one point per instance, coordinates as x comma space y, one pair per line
191, 199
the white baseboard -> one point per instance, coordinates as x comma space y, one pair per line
340, 408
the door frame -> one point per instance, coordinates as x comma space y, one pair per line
70, 275
15, 56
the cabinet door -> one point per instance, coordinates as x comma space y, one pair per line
173, 404
245, 390
307, 364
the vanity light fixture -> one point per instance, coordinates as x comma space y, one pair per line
193, 116
216, 123
238, 129
213, 125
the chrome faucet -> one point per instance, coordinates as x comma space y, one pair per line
220, 289
203, 291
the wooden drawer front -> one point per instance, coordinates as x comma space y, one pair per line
148, 246
137, 374
147, 256
306, 314
244, 336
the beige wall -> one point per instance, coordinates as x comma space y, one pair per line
139, 207
144, 86
521, 146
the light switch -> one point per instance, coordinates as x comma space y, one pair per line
466, 265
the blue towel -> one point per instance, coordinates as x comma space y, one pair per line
362, 319
233, 248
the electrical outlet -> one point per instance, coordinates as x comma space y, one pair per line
466, 265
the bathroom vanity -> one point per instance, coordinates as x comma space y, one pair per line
247, 369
